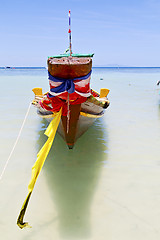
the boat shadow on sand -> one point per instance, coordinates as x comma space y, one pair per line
72, 177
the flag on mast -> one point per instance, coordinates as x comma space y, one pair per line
69, 31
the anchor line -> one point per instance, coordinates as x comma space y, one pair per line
14, 146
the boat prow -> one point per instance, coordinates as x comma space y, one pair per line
69, 80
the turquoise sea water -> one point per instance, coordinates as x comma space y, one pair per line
108, 186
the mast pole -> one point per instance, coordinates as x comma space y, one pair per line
69, 31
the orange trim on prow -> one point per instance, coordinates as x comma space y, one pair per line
70, 145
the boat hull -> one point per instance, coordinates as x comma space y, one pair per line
69, 80
82, 116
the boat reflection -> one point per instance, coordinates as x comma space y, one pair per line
72, 177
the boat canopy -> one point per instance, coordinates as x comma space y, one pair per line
73, 55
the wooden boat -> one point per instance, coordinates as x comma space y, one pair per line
81, 115
71, 104
69, 78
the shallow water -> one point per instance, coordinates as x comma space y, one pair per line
108, 186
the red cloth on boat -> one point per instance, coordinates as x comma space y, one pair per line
56, 103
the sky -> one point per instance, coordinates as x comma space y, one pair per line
118, 32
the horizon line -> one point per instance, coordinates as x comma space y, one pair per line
42, 67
